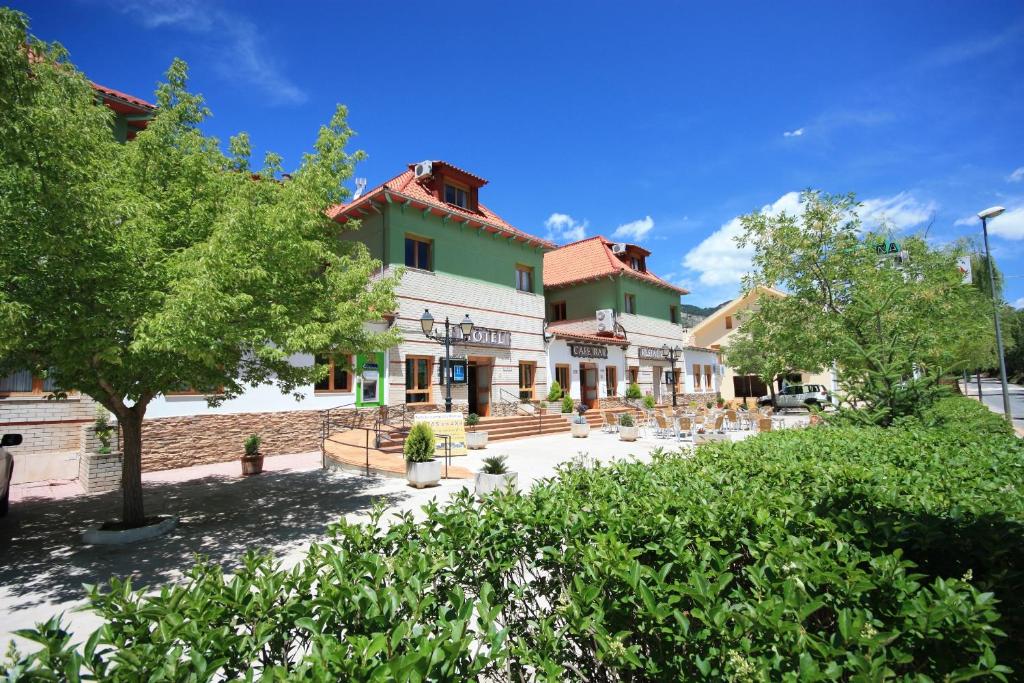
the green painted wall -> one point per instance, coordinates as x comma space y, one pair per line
583, 299
461, 251
370, 233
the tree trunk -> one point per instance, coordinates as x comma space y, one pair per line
132, 512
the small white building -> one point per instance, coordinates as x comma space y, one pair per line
587, 365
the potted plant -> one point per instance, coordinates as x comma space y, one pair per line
474, 440
628, 431
649, 402
580, 427
719, 401
567, 404
708, 405
494, 476
103, 429
553, 405
252, 460
421, 469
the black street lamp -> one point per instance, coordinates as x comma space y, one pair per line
466, 327
672, 354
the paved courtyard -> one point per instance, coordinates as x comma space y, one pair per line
223, 514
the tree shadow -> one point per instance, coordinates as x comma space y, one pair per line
221, 517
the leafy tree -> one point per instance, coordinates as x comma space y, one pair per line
132, 270
892, 325
760, 348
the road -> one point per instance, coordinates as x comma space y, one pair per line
992, 396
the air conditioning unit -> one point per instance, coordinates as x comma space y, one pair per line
606, 320
619, 248
423, 169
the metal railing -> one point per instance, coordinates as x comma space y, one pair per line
514, 402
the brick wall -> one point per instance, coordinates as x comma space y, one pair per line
171, 442
45, 425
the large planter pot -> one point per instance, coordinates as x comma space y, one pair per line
487, 483
252, 464
422, 474
476, 440
629, 433
580, 430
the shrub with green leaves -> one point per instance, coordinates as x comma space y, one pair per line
835, 553
633, 391
567, 404
252, 444
626, 420
420, 444
472, 420
495, 464
554, 392
649, 402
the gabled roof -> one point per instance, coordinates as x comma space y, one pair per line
584, 329
128, 102
736, 303
592, 259
405, 189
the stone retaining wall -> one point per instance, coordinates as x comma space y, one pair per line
170, 442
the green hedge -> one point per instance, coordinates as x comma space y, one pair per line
834, 553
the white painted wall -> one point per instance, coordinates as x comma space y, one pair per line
559, 354
691, 356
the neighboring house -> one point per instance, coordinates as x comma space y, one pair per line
717, 329
610, 319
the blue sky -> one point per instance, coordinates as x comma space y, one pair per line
662, 121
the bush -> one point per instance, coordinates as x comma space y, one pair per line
649, 402
838, 553
567, 404
419, 445
554, 392
472, 420
633, 391
495, 464
626, 420
252, 444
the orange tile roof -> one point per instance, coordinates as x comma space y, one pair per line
584, 330
591, 259
137, 102
405, 187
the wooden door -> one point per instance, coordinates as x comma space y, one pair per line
588, 385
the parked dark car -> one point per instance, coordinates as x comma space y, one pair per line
6, 469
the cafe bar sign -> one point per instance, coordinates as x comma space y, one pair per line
482, 336
651, 353
588, 351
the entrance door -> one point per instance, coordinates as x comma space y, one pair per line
588, 385
471, 384
479, 388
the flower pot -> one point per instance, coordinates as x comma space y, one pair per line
476, 440
629, 433
422, 474
487, 483
580, 430
252, 464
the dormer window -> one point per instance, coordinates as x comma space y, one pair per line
636, 263
456, 195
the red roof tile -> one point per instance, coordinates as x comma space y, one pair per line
591, 259
130, 99
406, 186
584, 330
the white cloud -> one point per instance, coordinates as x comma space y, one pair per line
564, 228
901, 211
793, 133
242, 53
1009, 225
635, 230
1017, 176
1019, 303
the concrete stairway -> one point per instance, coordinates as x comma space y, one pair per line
522, 426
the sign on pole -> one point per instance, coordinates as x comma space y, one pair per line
963, 264
451, 424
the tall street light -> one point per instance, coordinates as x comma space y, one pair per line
984, 216
672, 354
466, 327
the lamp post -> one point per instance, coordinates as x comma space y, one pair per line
672, 354
984, 216
427, 325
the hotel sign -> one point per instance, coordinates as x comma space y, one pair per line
482, 336
588, 351
650, 353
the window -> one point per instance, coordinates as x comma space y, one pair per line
524, 278
527, 374
630, 303
677, 380
417, 378
634, 374
728, 322
24, 383
610, 380
636, 263
339, 375
417, 253
456, 195
708, 384
558, 311
673, 314
562, 377
696, 376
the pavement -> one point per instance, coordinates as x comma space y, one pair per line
223, 514
992, 396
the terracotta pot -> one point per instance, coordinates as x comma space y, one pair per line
252, 464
